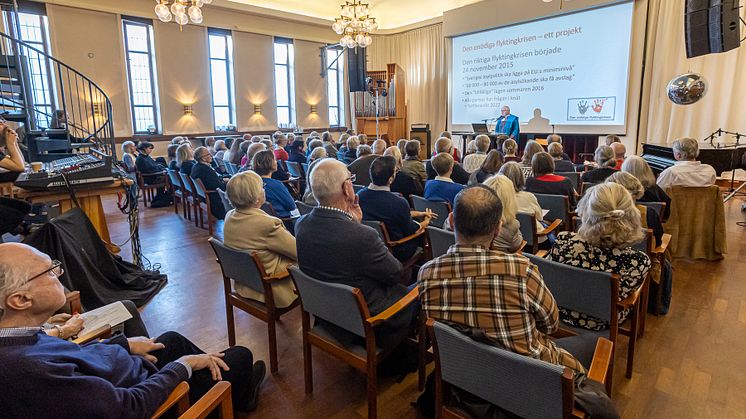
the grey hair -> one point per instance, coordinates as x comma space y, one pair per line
12, 279
687, 148
513, 171
630, 183
379, 145
443, 145
639, 168
471, 147
609, 217
245, 190
353, 142
363, 150
555, 150
327, 178
554, 138
255, 139
604, 156
318, 153
482, 142
127, 144
220, 145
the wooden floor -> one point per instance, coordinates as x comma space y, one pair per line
690, 363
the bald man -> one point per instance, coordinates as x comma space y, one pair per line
124, 377
333, 246
619, 154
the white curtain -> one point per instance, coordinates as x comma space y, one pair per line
421, 53
724, 105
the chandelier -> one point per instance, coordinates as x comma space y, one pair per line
181, 11
355, 25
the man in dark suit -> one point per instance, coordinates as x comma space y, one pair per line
458, 175
334, 246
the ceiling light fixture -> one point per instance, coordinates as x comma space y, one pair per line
355, 24
180, 11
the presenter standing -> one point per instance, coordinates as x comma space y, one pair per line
507, 124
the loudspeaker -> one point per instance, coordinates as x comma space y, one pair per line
421, 133
711, 26
356, 69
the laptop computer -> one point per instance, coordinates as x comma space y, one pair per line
480, 128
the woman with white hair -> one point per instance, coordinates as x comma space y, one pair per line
649, 217
249, 228
639, 168
605, 162
509, 239
610, 225
128, 156
403, 183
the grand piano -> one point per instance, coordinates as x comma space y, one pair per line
722, 159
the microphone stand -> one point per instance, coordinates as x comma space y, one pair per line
733, 165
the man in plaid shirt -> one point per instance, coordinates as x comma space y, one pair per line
502, 294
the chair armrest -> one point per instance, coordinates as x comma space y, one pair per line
602, 357
394, 308
542, 254
550, 228
72, 299
521, 247
420, 231
665, 241
277, 277
219, 395
154, 174
102, 332
632, 298
179, 396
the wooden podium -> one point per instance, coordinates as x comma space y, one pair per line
392, 108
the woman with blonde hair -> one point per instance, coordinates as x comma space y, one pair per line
509, 239
249, 228
649, 217
185, 159
610, 225
639, 168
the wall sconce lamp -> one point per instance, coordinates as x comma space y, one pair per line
314, 109
188, 110
257, 109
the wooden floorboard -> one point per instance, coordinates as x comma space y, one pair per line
689, 364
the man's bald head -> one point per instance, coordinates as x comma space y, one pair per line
476, 213
379, 147
619, 150
327, 180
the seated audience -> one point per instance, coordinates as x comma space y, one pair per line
558, 154
240, 151
342, 145
210, 144
473, 162
649, 217
526, 202
185, 159
605, 163
471, 147
171, 156
401, 145
328, 141
235, 149
687, 171
403, 183
556, 138
509, 239
363, 138
128, 157
546, 182
610, 224
639, 168
297, 152
334, 247
510, 148
264, 164
281, 141
220, 150
350, 153
378, 203
532, 148
122, 376
203, 171
620, 152
611, 139
379, 147
360, 168
490, 166
502, 294
319, 153
454, 151
412, 164
313, 143
147, 166
444, 145
247, 160
248, 227
442, 188
268, 144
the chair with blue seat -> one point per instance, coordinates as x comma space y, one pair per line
224, 199
659, 207
519, 384
180, 194
295, 169
441, 209
530, 232
344, 307
303, 208
573, 176
440, 240
558, 207
383, 232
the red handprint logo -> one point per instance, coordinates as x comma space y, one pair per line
598, 105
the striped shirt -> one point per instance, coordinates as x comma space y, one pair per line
502, 294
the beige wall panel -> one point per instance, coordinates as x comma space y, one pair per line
183, 78
91, 43
253, 67
310, 87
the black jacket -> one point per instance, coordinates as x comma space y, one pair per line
656, 194
145, 164
212, 181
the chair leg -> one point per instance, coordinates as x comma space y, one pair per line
372, 390
210, 221
422, 348
643, 311
632, 340
610, 373
272, 335
231, 323
176, 203
307, 364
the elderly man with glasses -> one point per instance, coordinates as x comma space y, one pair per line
126, 377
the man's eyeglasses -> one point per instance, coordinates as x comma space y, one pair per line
352, 178
55, 269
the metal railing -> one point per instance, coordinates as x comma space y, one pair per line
69, 100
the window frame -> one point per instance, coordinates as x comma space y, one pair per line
290, 72
338, 68
230, 77
153, 86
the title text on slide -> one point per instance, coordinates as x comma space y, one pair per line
523, 39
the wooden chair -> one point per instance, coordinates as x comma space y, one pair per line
245, 268
231, 168
440, 240
659, 207
72, 303
530, 232
391, 244
596, 294
442, 209
180, 194
224, 199
150, 188
584, 186
203, 195
6, 190
295, 169
559, 208
573, 176
218, 397
345, 307
303, 208
189, 187
692, 235
660, 252
522, 385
